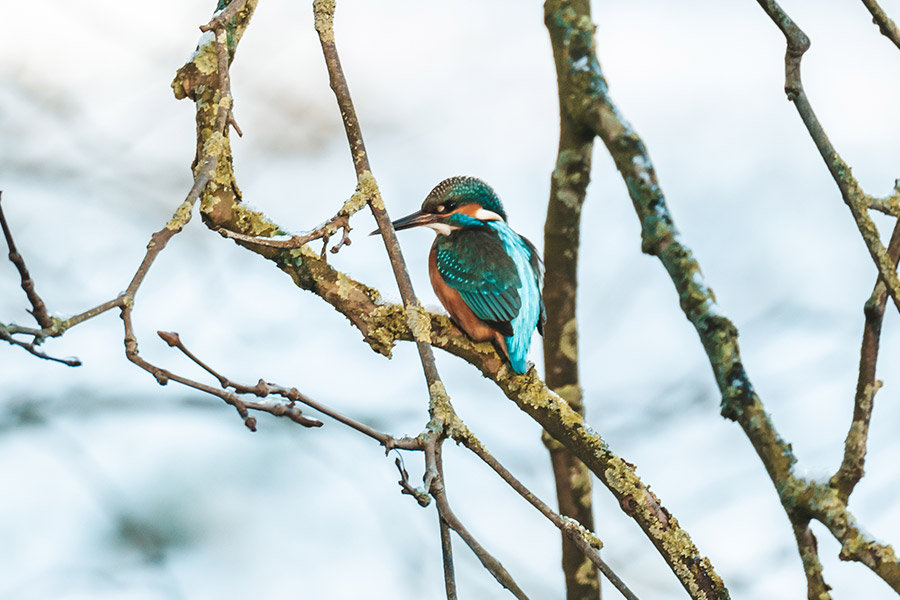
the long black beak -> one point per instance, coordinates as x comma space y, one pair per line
414, 220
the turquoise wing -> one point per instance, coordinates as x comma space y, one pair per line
474, 262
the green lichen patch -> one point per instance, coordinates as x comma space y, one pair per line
324, 13
419, 322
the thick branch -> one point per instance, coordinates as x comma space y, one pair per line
562, 233
816, 588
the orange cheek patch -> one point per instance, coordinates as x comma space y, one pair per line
469, 209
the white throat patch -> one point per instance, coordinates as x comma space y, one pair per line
441, 228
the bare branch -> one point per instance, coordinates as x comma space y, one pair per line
855, 198
816, 588
447, 553
562, 238
32, 349
263, 389
587, 102
339, 222
581, 537
852, 466
433, 454
38, 308
223, 16
324, 14
887, 27
890, 204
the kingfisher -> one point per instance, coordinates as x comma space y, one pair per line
486, 275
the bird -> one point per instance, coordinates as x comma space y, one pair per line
486, 275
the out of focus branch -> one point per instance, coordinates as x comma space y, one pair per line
32, 349
125, 300
562, 238
805, 496
38, 308
590, 99
573, 531
584, 97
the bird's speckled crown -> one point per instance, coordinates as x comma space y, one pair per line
463, 190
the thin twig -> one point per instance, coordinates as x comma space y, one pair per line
801, 498
421, 496
562, 238
587, 101
851, 192
32, 349
223, 118
263, 389
324, 15
890, 204
260, 390
447, 552
38, 308
816, 587
439, 402
223, 16
852, 466
887, 26
432, 453
158, 242
582, 538
446, 542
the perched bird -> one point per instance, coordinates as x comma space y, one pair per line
486, 275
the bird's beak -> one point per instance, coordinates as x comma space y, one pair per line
414, 220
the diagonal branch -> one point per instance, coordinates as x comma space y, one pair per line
855, 198
324, 13
885, 24
38, 308
573, 532
851, 470
7, 336
562, 238
433, 454
367, 187
801, 498
261, 390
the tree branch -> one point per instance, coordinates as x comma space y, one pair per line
447, 516
38, 308
887, 27
855, 198
562, 233
852, 466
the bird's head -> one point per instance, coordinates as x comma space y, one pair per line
455, 203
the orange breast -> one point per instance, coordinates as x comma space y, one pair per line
459, 311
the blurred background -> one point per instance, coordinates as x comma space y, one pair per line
117, 488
